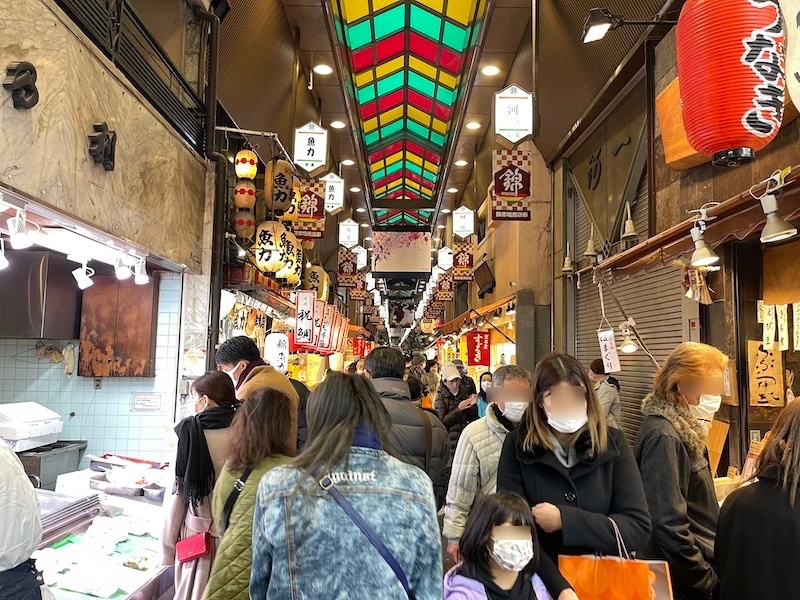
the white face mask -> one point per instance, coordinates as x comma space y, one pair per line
485, 385
514, 411
512, 555
570, 425
707, 408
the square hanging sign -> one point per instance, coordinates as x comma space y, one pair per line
512, 185
311, 147
348, 233
608, 350
513, 115
334, 193
311, 206
463, 222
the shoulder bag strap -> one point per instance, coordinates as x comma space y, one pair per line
426, 421
326, 483
237, 489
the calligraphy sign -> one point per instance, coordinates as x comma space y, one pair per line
608, 350
276, 351
334, 193
463, 259
305, 301
444, 288
766, 375
478, 349
770, 325
796, 328
311, 205
327, 327
311, 147
512, 185
783, 326
319, 317
348, 268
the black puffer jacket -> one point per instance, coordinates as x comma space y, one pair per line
302, 424
408, 433
453, 417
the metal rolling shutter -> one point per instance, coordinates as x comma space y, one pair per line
654, 301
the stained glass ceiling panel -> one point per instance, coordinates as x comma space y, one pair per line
406, 63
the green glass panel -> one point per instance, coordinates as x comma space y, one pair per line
360, 35
454, 36
413, 168
339, 30
371, 138
394, 167
425, 214
379, 174
429, 176
390, 21
444, 95
415, 127
391, 128
366, 94
425, 22
390, 83
381, 213
396, 219
437, 138
421, 84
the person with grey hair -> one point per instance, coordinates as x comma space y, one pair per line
477, 455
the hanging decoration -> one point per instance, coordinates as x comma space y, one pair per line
463, 222
444, 288
296, 275
278, 182
512, 185
463, 259
311, 205
244, 194
347, 271
276, 351
445, 258
246, 163
348, 233
304, 305
309, 232
361, 256
311, 147
334, 193
269, 254
359, 292
513, 115
317, 280
244, 224
731, 72
288, 243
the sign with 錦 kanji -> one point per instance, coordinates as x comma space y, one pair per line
463, 253
359, 293
334, 193
305, 302
276, 351
444, 288
513, 115
348, 233
311, 206
348, 269
608, 350
478, 349
311, 147
512, 185
463, 222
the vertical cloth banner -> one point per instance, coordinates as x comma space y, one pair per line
311, 205
478, 349
463, 259
348, 273
444, 287
512, 185
359, 293
305, 303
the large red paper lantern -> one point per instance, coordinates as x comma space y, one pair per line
731, 71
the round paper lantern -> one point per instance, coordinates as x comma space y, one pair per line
294, 277
244, 194
246, 164
317, 279
268, 251
244, 224
792, 24
426, 325
731, 76
288, 243
278, 182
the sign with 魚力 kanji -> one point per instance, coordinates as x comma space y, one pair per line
334, 193
463, 260
478, 349
311, 147
512, 185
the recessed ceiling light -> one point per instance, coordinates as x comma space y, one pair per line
365, 225
452, 190
461, 163
446, 211
323, 69
367, 239
348, 163
361, 209
440, 226
355, 189
473, 125
338, 124
437, 240
490, 70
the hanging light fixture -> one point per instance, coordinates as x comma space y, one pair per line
497, 314
628, 345
703, 256
140, 276
246, 163
629, 231
3, 259
18, 232
511, 309
83, 276
591, 246
121, 270
777, 228
568, 268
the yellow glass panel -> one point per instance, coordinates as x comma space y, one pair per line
440, 126
364, 78
379, 4
411, 157
370, 124
419, 116
413, 185
395, 184
380, 190
394, 158
391, 115
461, 10
376, 166
353, 10
448, 80
434, 4
422, 67
384, 69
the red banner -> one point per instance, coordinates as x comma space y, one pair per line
444, 288
348, 271
311, 205
463, 259
478, 349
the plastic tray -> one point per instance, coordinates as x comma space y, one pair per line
99, 483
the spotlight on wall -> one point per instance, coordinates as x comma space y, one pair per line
568, 268
83, 276
599, 21
121, 270
703, 256
629, 230
591, 246
628, 345
140, 276
18, 231
777, 228
3, 259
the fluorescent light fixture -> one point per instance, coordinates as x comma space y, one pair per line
361, 209
452, 190
121, 270
3, 259
461, 163
446, 211
703, 256
140, 276
323, 69
83, 276
490, 70
338, 124
597, 24
473, 125
348, 163
18, 232
79, 248
355, 189
776, 228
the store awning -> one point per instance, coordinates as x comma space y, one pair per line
736, 218
455, 325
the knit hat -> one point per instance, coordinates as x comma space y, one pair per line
450, 372
418, 359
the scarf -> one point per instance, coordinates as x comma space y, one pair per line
194, 469
690, 430
259, 362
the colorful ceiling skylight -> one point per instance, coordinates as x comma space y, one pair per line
407, 63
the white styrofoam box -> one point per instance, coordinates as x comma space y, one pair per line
32, 442
25, 420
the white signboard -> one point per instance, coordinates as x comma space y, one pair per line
361, 257
311, 147
319, 317
304, 316
608, 350
348, 233
370, 282
146, 402
334, 193
463, 222
796, 322
445, 261
513, 114
783, 327
327, 327
769, 326
276, 351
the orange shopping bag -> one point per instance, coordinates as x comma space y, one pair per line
616, 578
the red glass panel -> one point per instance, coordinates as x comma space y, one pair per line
423, 47
390, 47
387, 180
392, 148
430, 156
450, 61
413, 177
421, 101
415, 148
369, 110
442, 112
362, 59
390, 100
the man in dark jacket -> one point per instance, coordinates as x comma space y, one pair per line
468, 381
456, 405
302, 424
409, 438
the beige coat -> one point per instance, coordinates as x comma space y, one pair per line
182, 521
266, 376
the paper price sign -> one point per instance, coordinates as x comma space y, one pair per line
327, 328
608, 350
305, 304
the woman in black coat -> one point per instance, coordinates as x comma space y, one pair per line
758, 540
576, 472
671, 452
456, 406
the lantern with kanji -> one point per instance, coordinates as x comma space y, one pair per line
294, 277
292, 213
244, 194
278, 182
267, 248
288, 243
246, 164
731, 74
244, 224
318, 280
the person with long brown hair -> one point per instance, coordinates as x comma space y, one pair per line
310, 537
671, 453
758, 540
259, 442
203, 448
576, 473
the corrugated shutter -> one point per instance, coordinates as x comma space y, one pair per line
654, 301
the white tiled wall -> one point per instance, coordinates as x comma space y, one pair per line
103, 417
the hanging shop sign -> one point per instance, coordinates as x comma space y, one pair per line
766, 375
311, 147
305, 301
445, 258
359, 293
426, 325
370, 281
463, 222
269, 254
513, 115
512, 185
334, 193
608, 350
361, 256
347, 271
348, 233
478, 349
327, 327
741, 49
278, 184
319, 318
276, 351
244, 194
317, 280
463, 259
444, 288
311, 206
310, 231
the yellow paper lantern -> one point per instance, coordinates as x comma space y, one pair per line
317, 279
246, 164
278, 184
294, 277
244, 224
267, 248
292, 213
244, 194
288, 243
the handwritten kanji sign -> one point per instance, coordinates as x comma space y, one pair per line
512, 185
478, 349
327, 328
305, 303
463, 259
770, 326
334, 193
319, 317
608, 350
766, 375
276, 351
311, 205
310, 147
348, 268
